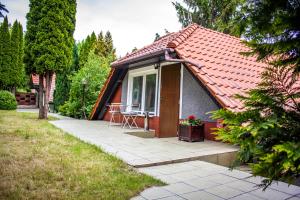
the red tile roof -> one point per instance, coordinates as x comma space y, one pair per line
225, 71
35, 81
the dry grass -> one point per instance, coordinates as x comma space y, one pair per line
39, 161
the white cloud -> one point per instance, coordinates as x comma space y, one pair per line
132, 23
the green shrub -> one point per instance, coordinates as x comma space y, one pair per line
7, 101
94, 72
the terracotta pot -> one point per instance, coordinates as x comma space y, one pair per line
191, 133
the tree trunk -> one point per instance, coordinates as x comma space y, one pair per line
41, 98
47, 94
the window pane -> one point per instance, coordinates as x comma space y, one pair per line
137, 88
150, 92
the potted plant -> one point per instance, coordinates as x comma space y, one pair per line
191, 129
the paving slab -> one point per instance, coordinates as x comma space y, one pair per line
186, 180
141, 152
221, 183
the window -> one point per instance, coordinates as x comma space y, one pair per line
137, 88
142, 90
150, 93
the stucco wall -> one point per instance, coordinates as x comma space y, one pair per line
124, 90
195, 100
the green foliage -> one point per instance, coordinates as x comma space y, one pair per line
85, 48
49, 36
104, 45
214, 14
7, 101
11, 56
82, 98
268, 130
63, 82
5, 56
273, 29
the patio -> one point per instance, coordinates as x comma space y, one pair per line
145, 152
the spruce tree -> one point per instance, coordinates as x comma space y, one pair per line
49, 41
62, 85
87, 45
16, 72
214, 14
5, 55
109, 48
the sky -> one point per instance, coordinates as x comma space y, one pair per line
132, 23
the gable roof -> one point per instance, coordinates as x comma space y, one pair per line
225, 71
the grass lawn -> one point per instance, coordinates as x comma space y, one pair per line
39, 161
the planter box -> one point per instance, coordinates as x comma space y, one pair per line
191, 133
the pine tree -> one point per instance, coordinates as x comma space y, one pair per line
214, 14
87, 45
63, 82
109, 47
49, 41
5, 55
273, 30
267, 131
16, 73
100, 46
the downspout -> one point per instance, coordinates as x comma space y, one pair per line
170, 59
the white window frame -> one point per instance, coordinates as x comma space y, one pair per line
141, 72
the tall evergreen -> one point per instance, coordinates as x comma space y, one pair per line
273, 30
5, 55
267, 130
109, 47
49, 41
100, 46
87, 45
214, 14
16, 73
63, 82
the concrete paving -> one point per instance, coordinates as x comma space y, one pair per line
196, 180
143, 152
192, 180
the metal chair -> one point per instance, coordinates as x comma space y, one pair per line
114, 110
129, 117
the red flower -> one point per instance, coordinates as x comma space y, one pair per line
191, 117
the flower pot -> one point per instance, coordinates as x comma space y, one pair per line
191, 133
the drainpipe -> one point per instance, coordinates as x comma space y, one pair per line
170, 59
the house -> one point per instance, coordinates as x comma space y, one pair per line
31, 98
190, 72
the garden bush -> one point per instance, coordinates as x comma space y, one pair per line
94, 72
7, 101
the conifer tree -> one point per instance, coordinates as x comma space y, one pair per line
100, 46
49, 42
109, 48
62, 85
5, 54
16, 72
214, 14
87, 45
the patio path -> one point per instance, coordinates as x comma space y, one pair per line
142, 152
197, 180
192, 180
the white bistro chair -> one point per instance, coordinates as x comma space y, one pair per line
129, 117
115, 111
